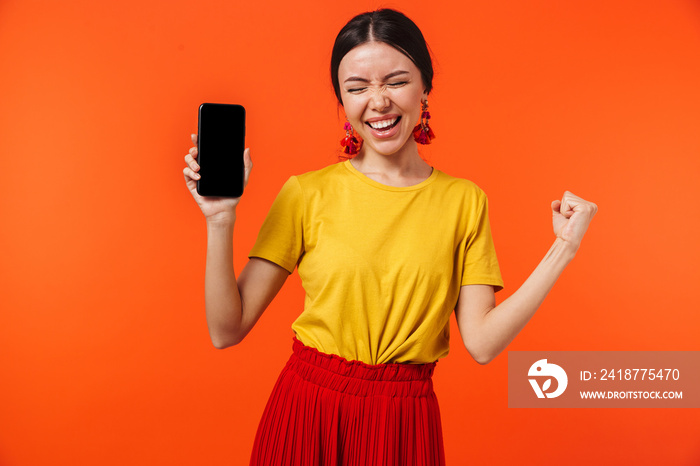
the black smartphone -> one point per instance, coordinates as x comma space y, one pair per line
220, 146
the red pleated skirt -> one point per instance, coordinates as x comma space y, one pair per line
325, 410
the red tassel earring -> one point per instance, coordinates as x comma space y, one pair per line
350, 142
422, 133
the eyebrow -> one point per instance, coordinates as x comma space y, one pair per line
390, 75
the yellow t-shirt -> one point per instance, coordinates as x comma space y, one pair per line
382, 266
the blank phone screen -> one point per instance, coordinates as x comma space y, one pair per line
221, 142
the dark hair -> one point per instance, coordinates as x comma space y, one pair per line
392, 28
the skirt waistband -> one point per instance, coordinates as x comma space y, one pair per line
358, 378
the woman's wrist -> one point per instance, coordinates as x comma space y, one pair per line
219, 221
562, 250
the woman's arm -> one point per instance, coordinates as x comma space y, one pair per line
233, 307
487, 329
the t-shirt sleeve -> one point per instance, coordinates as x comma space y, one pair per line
281, 238
480, 261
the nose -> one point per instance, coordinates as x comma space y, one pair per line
379, 101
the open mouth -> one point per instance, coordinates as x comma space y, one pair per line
384, 125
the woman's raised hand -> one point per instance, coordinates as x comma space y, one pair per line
570, 218
217, 209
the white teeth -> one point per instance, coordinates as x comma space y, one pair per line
382, 124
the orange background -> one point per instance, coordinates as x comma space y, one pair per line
104, 352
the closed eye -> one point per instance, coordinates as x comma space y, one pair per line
357, 90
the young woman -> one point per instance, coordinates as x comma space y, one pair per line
387, 247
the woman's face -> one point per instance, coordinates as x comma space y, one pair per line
381, 90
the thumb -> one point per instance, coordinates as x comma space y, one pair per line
248, 166
555, 206
247, 160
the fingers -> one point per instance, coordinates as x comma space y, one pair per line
190, 174
571, 203
568, 203
189, 158
194, 138
192, 166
